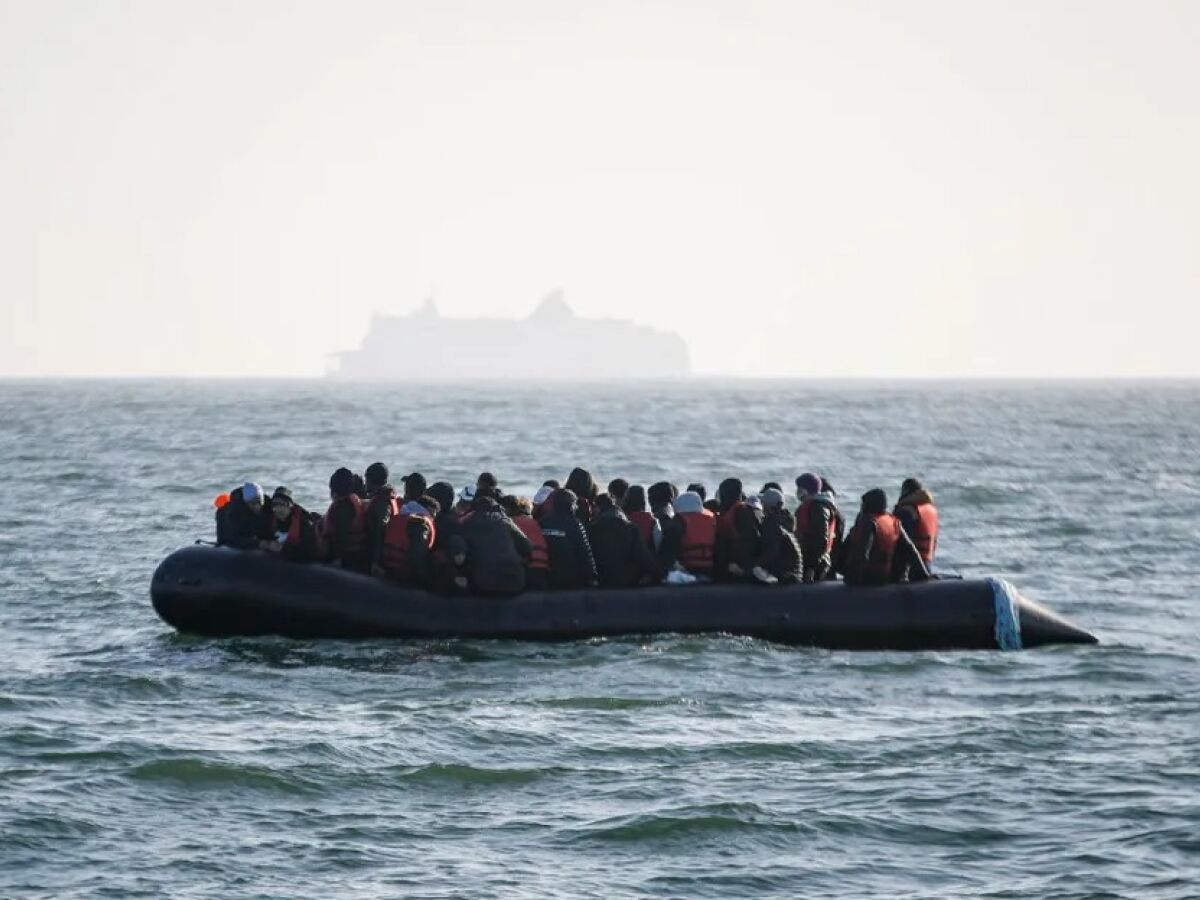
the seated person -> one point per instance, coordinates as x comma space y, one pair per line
622, 557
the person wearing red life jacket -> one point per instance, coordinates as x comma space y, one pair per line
381, 506
690, 537
344, 526
581, 483
817, 531
295, 533
878, 551
919, 516
409, 539
537, 567
635, 508
739, 536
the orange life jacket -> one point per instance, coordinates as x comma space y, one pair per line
803, 520
645, 522
540, 557
392, 502
727, 521
699, 542
396, 542
925, 532
883, 550
355, 539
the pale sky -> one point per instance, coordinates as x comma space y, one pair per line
798, 188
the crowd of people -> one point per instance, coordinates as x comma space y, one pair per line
574, 535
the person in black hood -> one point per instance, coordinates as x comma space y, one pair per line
878, 550
343, 528
661, 495
496, 550
572, 564
360, 487
381, 506
486, 485
622, 557
241, 523
780, 553
739, 533
449, 552
581, 483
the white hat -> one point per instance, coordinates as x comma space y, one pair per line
467, 494
251, 491
542, 495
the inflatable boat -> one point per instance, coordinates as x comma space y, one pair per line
218, 592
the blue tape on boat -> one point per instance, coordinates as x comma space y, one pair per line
1008, 617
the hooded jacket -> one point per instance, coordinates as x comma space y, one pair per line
780, 553
623, 558
908, 512
572, 564
496, 549
817, 519
739, 533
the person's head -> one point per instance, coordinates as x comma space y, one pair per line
659, 494
688, 502
376, 476
605, 502
564, 501
582, 484
282, 503
874, 502
807, 485
551, 483
544, 493
414, 486
730, 492
697, 488
635, 499
771, 486
431, 503
486, 484
617, 488
516, 506
713, 505
252, 495
341, 483
911, 486
443, 493
466, 497
772, 499
360, 486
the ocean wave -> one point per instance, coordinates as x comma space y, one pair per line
204, 773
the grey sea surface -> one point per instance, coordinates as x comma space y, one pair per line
135, 762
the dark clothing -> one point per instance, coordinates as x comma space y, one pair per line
297, 536
672, 528
496, 550
238, 525
572, 564
780, 554
622, 557
738, 542
447, 543
343, 535
379, 513
816, 520
906, 563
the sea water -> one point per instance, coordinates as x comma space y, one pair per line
135, 762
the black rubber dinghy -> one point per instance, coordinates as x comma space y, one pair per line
219, 592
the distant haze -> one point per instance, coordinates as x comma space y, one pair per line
798, 189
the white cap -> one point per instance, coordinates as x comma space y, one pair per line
251, 491
754, 501
467, 494
542, 495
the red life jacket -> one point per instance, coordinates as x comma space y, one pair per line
699, 542
295, 532
645, 522
883, 550
391, 501
355, 539
396, 543
727, 521
540, 557
803, 519
925, 532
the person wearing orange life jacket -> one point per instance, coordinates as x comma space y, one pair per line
381, 507
295, 533
696, 529
634, 507
816, 527
919, 516
537, 567
344, 527
878, 551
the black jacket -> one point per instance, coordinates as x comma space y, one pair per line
379, 513
822, 515
779, 553
672, 539
622, 557
238, 525
496, 550
572, 564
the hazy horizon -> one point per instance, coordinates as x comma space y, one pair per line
800, 190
